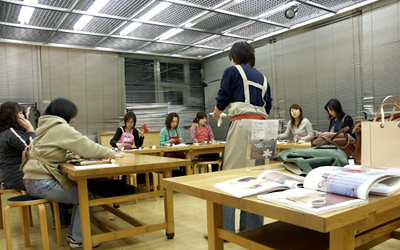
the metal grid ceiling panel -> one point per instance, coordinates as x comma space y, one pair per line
46, 18
253, 8
188, 37
58, 3
148, 31
221, 42
22, 34
195, 52
176, 14
125, 8
9, 12
205, 3
123, 44
219, 23
255, 29
96, 25
162, 48
76, 39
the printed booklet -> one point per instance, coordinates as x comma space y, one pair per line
327, 189
267, 181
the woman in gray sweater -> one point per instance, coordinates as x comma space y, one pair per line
298, 126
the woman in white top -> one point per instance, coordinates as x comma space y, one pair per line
299, 127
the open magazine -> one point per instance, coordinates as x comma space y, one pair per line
328, 189
267, 181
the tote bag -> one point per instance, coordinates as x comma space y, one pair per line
381, 139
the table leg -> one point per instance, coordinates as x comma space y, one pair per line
84, 213
169, 213
341, 239
214, 221
188, 167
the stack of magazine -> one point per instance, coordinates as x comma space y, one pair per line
325, 189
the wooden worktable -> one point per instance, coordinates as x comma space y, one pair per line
132, 163
364, 225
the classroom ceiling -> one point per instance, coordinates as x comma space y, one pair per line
179, 28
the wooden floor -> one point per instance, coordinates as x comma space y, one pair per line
190, 225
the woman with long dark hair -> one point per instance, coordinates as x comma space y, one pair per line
16, 133
298, 126
337, 118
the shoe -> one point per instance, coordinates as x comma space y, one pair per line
69, 238
75, 245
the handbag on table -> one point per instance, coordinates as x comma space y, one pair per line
340, 139
380, 140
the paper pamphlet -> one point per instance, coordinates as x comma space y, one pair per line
267, 181
265, 129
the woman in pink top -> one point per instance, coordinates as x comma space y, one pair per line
200, 130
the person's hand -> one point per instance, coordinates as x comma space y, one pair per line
26, 124
120, 145
298, 137
75, 156
180, 139
141, 132
172, 141
215, 116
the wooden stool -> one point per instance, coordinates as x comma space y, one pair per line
24, 202
3, 191
205, 163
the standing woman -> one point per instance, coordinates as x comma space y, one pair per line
54, 138
16, 133
200, 131
299, 126
171, 133
125, 136
248, 94
337, 118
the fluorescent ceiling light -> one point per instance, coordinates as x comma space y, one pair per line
170, 33
283, 7
94, 9
26, 12
146, 17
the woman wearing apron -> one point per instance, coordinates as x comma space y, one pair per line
247, 93
171, 134
125, 136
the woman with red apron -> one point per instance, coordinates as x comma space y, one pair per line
171, 134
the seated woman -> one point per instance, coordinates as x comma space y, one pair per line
200, 130
298, 126
171, 133
16, 133
125, 136
54, 137
337, 118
